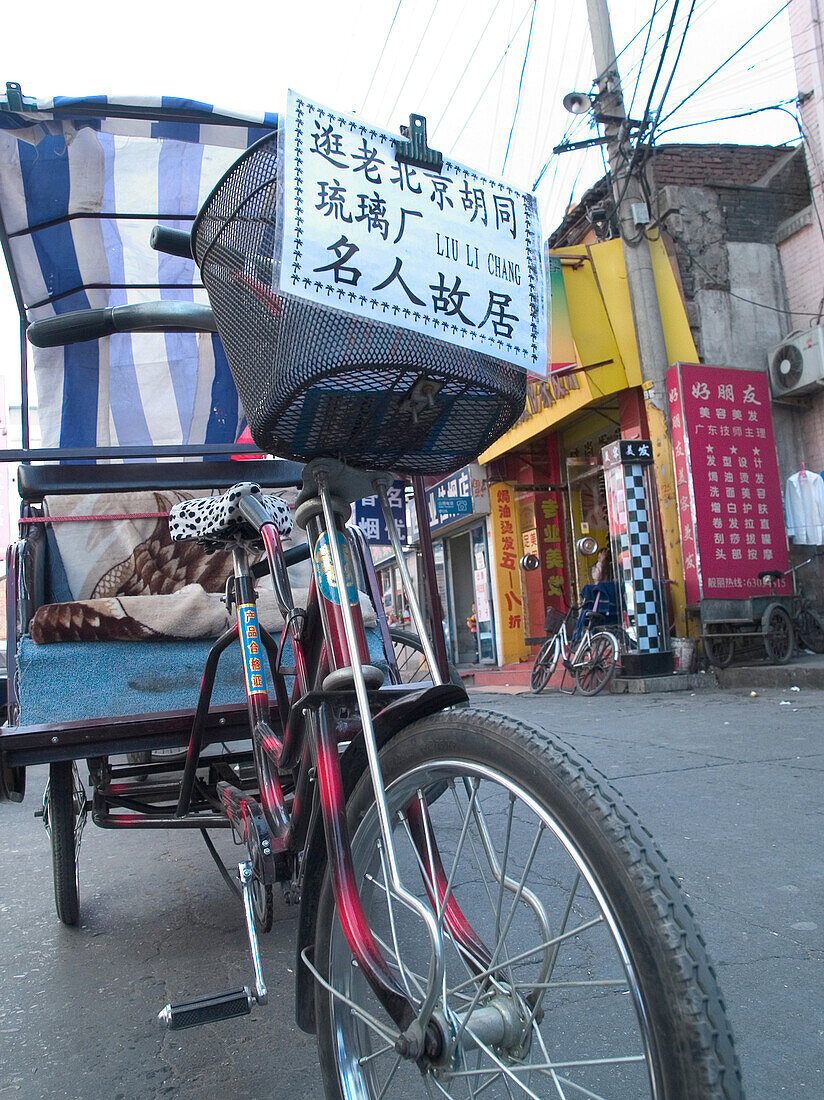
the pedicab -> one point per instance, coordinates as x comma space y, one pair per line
478, 908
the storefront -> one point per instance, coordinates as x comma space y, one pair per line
552, 458
458, 508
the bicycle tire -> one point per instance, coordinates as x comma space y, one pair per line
61, 819
597, 862
545, 664
809, 630
599, 663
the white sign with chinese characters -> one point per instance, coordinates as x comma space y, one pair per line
452, 254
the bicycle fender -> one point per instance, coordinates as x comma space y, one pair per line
389, 721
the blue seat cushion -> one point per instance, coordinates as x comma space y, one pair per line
75, 681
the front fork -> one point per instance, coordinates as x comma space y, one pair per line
323, 513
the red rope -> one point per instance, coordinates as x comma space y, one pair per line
25, 520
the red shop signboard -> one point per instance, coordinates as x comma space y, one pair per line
726, 472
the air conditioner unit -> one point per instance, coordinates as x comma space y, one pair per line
796, 366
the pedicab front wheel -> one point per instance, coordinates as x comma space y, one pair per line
572, 964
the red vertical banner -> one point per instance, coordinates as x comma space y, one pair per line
550, 552
506, 548
729, 491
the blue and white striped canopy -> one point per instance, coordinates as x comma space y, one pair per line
82, 182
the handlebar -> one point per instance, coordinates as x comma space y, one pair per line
771, 575
93, 324
175, 242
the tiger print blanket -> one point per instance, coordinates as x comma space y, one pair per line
130, 581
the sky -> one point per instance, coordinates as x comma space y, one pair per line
489, 75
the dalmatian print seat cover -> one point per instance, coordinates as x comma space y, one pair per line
217, 520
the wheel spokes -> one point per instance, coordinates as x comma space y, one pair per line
469, 852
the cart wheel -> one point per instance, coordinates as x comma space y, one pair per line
718, 650
64, 825
810, 631
263, 905
779, 638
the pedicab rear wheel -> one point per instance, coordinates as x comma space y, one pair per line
60, 818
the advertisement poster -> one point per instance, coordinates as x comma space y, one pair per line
729, 492
506, 548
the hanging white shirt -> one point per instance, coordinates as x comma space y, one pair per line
804, 508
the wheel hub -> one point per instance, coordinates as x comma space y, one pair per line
500, 1024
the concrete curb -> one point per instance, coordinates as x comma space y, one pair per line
647, 685
810, 676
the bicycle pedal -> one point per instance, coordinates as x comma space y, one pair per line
207, 1010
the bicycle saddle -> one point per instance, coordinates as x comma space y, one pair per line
595, 618
217, 520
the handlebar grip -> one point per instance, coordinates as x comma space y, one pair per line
72, 328
175, 242
93, 324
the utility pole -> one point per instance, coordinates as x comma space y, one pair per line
643, 294
626, 188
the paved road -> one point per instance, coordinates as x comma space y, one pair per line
730, 785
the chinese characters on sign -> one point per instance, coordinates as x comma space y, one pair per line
550, 547
461, 494
369, 515
453, 254
729, 493
506, 542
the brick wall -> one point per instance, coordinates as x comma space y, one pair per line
802, 258
801, 242
706, 165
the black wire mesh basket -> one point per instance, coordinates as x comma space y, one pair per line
315, 381
554, 620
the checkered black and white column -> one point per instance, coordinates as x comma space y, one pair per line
631, 501
637, 565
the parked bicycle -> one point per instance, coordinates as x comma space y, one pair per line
591, 659
480, 911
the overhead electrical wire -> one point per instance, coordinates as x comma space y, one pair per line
643, 56
469, 62
550, 37
436, 70
577, 121
493, 132
707, 79
485, 87
380, 57
391, 113
726, 118
672, 73
520, 86
661, 60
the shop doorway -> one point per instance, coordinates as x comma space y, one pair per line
588, 516
463, 600
462, 569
